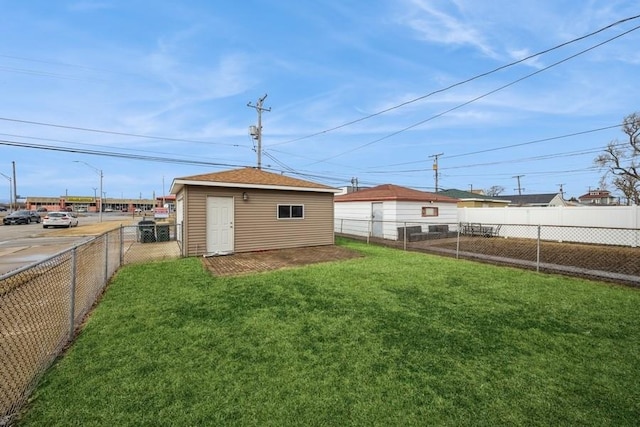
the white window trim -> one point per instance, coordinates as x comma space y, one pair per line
290, 205
426, 209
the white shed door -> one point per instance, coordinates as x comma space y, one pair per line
219, 225
377, 217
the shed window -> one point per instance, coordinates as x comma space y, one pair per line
429, 211
290, 211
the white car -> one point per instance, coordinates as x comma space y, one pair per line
60, 219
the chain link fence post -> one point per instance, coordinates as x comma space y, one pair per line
458, 240
404, 235
121, 246
106, 259
538, 250
72, 294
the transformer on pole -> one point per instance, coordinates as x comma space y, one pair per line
256, 131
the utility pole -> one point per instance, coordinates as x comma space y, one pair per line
435, 167
256, 131
15, 188
561, 191
519, 188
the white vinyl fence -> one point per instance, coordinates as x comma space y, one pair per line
563, 222
592, 216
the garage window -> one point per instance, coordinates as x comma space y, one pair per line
429, 211
290, 211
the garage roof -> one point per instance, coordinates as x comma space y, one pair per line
393, 192
250, 178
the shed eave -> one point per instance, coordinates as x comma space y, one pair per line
178, 184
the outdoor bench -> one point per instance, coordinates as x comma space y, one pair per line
414, 233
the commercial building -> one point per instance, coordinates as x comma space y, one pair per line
89, 204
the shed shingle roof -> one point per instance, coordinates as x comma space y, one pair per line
393, 192
467, 195
250, 178
529, 199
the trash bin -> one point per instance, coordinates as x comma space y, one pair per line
162, 231
146, 231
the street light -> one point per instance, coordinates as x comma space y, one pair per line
99, 172
10, 192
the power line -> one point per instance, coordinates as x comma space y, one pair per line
109, 132
158, 159
477, 98
504, 147
508, 161
116, 154
91, 145
478, 76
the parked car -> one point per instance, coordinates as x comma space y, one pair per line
21, 217
108, 210
60, 219
3, 209
41, 209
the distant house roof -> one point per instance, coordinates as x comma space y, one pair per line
602, 197
467, 195
547, 199
250, 178
393, 192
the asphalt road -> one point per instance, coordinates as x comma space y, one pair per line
25, 244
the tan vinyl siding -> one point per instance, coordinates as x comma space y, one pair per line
256, 226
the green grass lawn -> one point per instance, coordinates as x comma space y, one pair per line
391, 339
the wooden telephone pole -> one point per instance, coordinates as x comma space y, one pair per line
256, 131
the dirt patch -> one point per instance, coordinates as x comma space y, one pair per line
616, 259
253, 262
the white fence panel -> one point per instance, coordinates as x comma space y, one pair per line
596, 216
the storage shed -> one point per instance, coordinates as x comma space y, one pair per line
380, 211
248, 209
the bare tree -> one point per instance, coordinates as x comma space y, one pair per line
494, 190
621, 160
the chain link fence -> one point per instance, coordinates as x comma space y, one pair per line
592, 252
42, 305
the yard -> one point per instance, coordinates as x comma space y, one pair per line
388, 338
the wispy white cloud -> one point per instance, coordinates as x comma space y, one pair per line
444, 27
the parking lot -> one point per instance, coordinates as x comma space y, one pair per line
25, 244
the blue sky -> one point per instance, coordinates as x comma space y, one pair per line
170, 81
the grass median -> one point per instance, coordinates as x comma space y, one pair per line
392, 338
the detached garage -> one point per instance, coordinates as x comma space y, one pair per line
246, 210
380, 211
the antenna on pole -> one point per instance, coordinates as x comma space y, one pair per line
435, 166
256, 131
